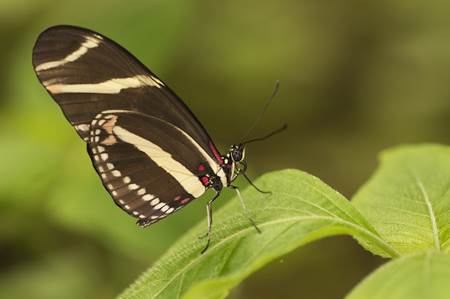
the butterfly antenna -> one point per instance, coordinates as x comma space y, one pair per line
279, 130
266, 105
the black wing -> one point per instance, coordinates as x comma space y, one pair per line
146, 145
87, 73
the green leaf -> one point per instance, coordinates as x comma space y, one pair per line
408, 198
301, 209
422, 276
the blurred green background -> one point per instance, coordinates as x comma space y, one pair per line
356, 77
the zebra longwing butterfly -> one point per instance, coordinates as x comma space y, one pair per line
150, 151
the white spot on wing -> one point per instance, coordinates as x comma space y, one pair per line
100, 149
159, 206
148, 197
133, 186
154, 202
82, 127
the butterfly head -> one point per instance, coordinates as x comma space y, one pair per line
235, 160
237, 152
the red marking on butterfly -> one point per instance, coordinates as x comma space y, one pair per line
216, 153
201, 167
205, 180
185, 201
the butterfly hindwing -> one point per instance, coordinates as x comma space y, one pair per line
149, 173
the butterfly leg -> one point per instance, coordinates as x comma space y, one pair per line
244, 207
209, 217
242, 171
254, 186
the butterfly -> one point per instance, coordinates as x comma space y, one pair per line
150, 151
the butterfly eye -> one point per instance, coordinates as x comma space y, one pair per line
237, 156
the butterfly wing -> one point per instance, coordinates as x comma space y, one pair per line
144, 142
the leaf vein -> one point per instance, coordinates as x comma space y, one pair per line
431, 212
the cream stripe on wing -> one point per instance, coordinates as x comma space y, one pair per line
90, 42
188, 180
112, 86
